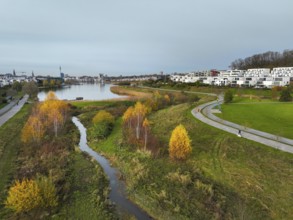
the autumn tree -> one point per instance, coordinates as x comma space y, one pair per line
49, 115
33, 130
53, 112
128, 116
146, 126
103, 123
180, 144
51, 96
24, 196
140, 110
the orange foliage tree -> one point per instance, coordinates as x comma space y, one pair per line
49, 115
180, 143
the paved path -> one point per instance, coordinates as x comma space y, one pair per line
7, 107
11, 110
204, 114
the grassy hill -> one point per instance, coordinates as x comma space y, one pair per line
225, 177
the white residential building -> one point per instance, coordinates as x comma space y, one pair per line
258, 78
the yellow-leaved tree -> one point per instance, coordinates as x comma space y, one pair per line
51, 96
53, 112
180, 144
24, 196
140, 110
146, 126
33, 130
128, 116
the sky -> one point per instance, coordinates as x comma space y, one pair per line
126, 37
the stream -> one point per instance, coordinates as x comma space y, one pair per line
118, 189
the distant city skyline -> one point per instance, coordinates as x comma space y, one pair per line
138, 37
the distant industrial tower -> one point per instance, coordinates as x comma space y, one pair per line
61, 74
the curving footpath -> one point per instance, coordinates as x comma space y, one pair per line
204, 114
13, 109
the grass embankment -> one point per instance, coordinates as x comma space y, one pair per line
89, 190
133, 92
9, 148
225, 177
274, 118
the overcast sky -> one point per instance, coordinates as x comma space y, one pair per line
138, 36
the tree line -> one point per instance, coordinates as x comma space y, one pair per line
43, 159
269, 59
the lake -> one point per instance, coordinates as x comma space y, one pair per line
87, 91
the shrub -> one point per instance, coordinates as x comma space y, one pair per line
47, 191
103, 116
103, 124
228, 97
285, 96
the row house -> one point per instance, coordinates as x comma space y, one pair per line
260, 72
258, 78
282, 71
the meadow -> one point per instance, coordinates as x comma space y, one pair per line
272, 117
224, 178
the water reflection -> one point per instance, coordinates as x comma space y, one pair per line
87, 91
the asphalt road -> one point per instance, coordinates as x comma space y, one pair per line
13, 109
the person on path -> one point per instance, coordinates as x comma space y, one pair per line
239, 133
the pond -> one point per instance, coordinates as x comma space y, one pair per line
86, 91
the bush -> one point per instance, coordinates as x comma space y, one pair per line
228, 97
103, 116
285, 95
103, 124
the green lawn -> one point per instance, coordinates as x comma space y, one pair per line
82, 104
275, 118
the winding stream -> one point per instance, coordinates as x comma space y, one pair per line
117, 194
